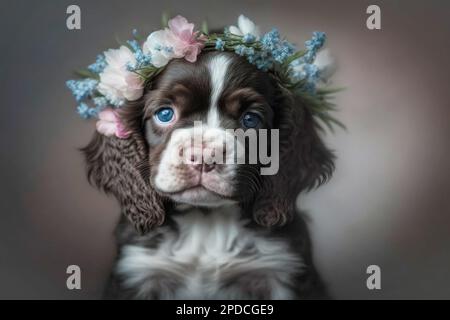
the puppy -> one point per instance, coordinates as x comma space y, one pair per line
207, 230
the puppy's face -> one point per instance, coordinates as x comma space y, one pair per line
190, 114
179, 146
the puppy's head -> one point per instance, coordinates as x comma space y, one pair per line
184, 147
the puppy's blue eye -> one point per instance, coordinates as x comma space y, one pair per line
251, 120
165, 115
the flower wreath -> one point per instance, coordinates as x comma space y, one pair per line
121, 74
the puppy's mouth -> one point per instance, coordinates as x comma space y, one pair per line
200, 195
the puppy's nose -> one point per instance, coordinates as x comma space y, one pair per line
208, 167
197, 161
203, 167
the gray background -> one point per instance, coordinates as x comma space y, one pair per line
388, 203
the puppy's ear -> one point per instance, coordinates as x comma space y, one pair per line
305, 163
120, 167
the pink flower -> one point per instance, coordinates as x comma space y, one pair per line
177, 41
185, 42
116, 82
109, 124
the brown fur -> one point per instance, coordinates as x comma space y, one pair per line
122, 167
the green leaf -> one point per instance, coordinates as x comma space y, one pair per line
165, 19
321, 108
326, 91
205, 28
293, 57
84, 73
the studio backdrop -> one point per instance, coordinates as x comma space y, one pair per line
387, 204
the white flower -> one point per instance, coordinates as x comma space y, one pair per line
159, 47
326, 63
245, 26
116, 82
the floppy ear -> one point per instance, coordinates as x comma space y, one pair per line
305, 163
120, 167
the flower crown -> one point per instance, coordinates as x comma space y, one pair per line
121, 74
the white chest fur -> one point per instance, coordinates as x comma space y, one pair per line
211, 255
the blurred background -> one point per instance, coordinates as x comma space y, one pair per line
388, 203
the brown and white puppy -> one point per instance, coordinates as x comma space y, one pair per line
206, 230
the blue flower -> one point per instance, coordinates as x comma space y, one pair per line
283, 51
249, 51
313, 45
83, 110
270, 40
142, 59
298, 75
100, 102
99, 65
93, 112
309, 56
240, 49
131, 67
248, 38
134, 45
307, 72
264, 64
114, 101
220, 44
82, 89
317, 41
309, 87
263, 61
278, 48
312, 72
251, 55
